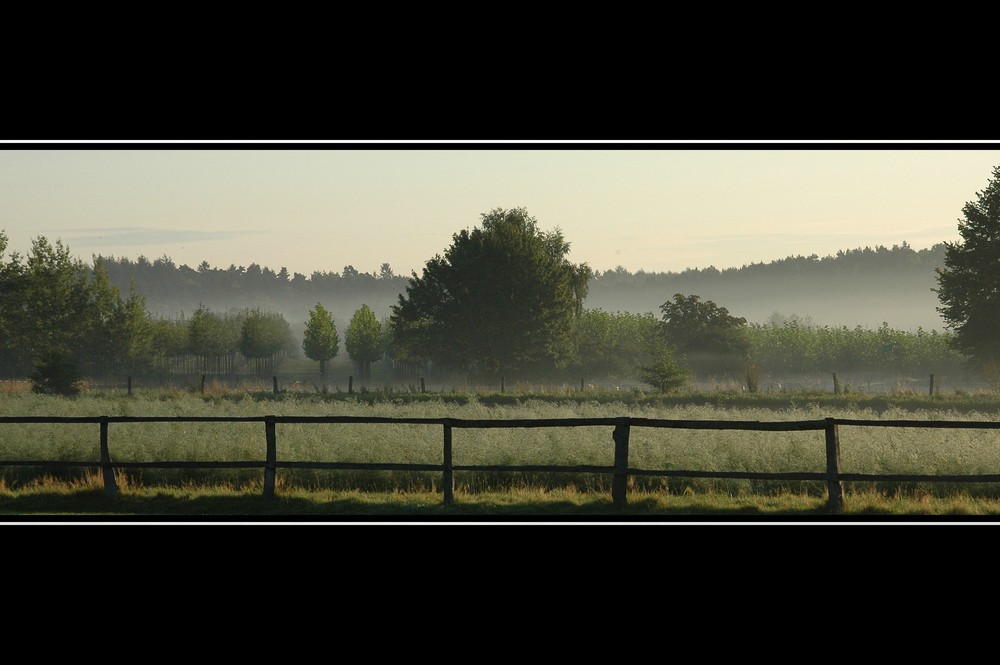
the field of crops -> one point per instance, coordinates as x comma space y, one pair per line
863, 449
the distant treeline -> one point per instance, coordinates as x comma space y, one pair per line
864, 286
865, 308
610, 346
172, 290
56, 312
854, 287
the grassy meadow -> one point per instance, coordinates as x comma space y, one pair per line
36, 490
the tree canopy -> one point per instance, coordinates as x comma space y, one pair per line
664, 372
503, 298
969, 284
262, 336
320, 340
708, 336
56, 314
363, 340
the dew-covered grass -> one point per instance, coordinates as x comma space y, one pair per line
863, 449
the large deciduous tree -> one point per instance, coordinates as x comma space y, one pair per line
708, 336
969, 283
504, 298
321, 341
363, 340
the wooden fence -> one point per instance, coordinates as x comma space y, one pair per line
620, 470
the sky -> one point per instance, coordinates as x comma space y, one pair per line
319, 207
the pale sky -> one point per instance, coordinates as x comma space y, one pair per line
662, 209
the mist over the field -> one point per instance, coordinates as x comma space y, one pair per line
857, 287
856, 292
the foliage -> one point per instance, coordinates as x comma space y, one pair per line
123, 334
55, 375
170, 339
59, 314
664, 373
614, 345
262, 336
796, 346
53, 301
321, 341
706, 335
867, 284
363, 340
216, 338
14, 356
969, 284
502, 299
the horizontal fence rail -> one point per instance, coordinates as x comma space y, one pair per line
620, 470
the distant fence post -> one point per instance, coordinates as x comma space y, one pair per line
271, 457
110, 484
835, 487
275, 384
350, 385
581, 385
423, 388
836, 384
202, 383
932, 385
130, 385
448, 479
619, 483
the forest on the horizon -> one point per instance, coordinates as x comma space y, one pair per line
855, 287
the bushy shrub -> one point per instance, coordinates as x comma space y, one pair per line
664, 373
55, 375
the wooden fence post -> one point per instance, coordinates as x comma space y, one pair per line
202, 383
836, 384
110, 484
835, 487
130, 385
350, 385
619, 483
275, 384
932, 385
271, 457
423, 388
448, 479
